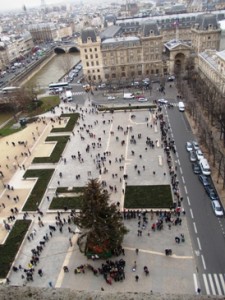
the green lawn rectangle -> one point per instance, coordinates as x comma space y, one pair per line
71, 202
44, 176
148, 196
68, 202
56, 153
9, 250
70, 125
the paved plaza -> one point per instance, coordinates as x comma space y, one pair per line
104, 133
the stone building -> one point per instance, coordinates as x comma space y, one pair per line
43, 32
136, 50
211, 66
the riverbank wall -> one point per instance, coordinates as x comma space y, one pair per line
28, 73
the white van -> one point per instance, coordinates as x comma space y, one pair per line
204, 165
128, 96
181, 106
69, 96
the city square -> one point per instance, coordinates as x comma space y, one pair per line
58, 252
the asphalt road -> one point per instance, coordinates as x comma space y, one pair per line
206, 230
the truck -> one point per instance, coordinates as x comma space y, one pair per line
128, 96
69, 96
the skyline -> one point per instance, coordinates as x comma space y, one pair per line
18, 5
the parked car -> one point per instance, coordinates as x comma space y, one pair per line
189, 146
211, 192
199, 154
195, 145
162, 101
196, 168
171, 78
142, 99
192, 156
204, 180
218, 210
111, 98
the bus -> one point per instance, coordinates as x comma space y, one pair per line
58, 85
10, 89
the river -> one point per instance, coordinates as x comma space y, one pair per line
54, 69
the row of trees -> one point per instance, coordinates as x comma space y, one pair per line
206, 105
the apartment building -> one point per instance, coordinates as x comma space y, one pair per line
211, 66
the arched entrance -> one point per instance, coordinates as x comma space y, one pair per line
179, 63
73, 50
59, 50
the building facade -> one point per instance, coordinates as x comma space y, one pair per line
136, 51
211, 65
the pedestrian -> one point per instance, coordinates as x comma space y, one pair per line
50, 284
137, 250
198, 291
40, 272
70, 240
136, 278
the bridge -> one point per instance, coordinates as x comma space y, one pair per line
66, 47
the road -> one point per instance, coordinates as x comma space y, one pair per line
206, 230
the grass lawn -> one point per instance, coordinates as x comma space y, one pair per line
44, 176
148, 196
48, 103
5, 116
7, 129
56, 153
9, 250
68, 202
70, 125
71, 202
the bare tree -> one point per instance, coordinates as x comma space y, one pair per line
66, 62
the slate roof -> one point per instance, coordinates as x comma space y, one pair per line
110, 32
88, 33
148, 27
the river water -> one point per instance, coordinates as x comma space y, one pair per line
54, 69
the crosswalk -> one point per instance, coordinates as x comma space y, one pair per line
214, 284
78, 93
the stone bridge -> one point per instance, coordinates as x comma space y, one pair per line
64, 47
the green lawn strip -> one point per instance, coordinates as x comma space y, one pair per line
68, 202
7, 129
74, 189
44, 176
9, 250
47, 103
70, 125
107, 108
56, 153
149, 196
5, 116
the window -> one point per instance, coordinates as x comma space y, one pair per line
90, 50
85, 50
91, 56
87, 64
98, 70
86, 56
96, 50
99, 77
92, 63
97, 63
113, 75
96, 55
